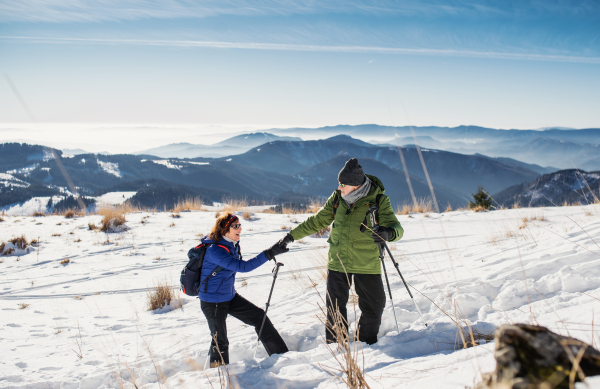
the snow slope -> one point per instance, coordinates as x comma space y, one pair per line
494, 267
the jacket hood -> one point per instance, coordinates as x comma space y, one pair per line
207, 240
375, 182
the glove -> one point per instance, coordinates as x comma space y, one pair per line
287, 240
385, 234
276, 249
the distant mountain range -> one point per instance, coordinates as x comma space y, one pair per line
278, 171
236, 145
457, 172
571, 186
558, 147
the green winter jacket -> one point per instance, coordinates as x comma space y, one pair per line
354, 249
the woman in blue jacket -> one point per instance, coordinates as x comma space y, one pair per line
218, 298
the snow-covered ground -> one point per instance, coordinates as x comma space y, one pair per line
494, 267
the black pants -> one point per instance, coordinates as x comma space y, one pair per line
371, 301
248, 313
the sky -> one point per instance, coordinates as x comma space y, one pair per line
252, 64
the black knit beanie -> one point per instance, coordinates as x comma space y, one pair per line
352, 173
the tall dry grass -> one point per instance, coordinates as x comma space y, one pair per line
162, 295
235, 205
187, 205
422, 205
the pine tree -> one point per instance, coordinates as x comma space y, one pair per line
480, 199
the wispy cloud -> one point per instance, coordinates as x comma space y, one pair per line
60, 11
314, 48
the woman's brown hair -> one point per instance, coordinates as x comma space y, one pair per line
222, 226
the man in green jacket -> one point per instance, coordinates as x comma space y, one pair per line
353, 249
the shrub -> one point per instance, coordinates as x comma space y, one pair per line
161, 296
69, 214
112, 220
20, 242
481, 200
38, 214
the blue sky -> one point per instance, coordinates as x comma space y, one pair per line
500, 64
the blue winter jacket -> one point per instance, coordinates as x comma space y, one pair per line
222, 286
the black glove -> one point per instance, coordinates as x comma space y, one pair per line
287, 240
276, 249
385, 234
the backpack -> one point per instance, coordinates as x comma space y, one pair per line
190, 275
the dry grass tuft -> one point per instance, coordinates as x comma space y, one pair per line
65, 261
314, 206
479, 208
175, 215
38, 214
172, 224
2, 245
92, 226
187, 205
1, 219
322, 233
69, 214
232, 205
113, 218
449, 208
161, 296
347, 356
286, 228
247, 215
34, 243
56, 234
422, 205
23, 305
20, 241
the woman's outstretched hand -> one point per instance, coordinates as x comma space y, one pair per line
276, 249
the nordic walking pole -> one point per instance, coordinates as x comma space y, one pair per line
407, 289
275, 271
373, 212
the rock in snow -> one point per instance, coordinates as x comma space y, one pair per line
534, 357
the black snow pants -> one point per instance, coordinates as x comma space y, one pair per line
371, 301
248, 313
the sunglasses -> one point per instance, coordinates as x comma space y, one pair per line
342, 185
236, 226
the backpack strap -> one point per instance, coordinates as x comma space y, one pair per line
364, 223
215, 271
336, 204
